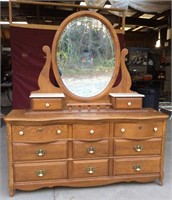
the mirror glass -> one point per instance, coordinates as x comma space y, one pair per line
86, 56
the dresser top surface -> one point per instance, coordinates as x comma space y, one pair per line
27, 115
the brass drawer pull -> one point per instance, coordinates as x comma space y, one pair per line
47, 105
40, 173
137, 168
59, 131
40, 152
91, 132
21, 133
155, 129
91, 170
91, 150
129, 103
122, 130
138, 148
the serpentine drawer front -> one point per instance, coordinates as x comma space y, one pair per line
140, 130
90, 149
39, 133
127, 166
25, 151
40, 171
139, 147
91, 131
90, 168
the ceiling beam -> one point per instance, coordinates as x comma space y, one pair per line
145, 22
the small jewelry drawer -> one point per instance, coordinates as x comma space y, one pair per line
126, 103
49, 104
138, 130
126, 166
90, 131
140, 147
26, 152
90, 168
40, 171
38, 133
90, 149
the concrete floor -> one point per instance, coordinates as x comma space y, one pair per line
118, 191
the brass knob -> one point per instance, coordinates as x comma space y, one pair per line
137, 168
91, 170
47, 105
40, 152
91, 132
40, 173
91, 150
39, 129
129, 103
122, 130
21, 133
58, 131
138, 148
155, 129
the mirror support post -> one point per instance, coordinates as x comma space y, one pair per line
44, 83
125, 83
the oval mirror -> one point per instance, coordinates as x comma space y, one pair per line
85, 58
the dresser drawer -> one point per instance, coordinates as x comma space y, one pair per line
140, 147
49, 104
90, 149
126, 103
90, 168
39, 133
26, 152
90, 131
138, 130
136, 166
40, 171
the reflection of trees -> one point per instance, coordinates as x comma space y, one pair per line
85, 41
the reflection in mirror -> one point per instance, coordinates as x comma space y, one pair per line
86, 57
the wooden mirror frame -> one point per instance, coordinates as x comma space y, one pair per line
49, 90
115, 39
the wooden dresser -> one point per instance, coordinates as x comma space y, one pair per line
69, 139
65, 149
